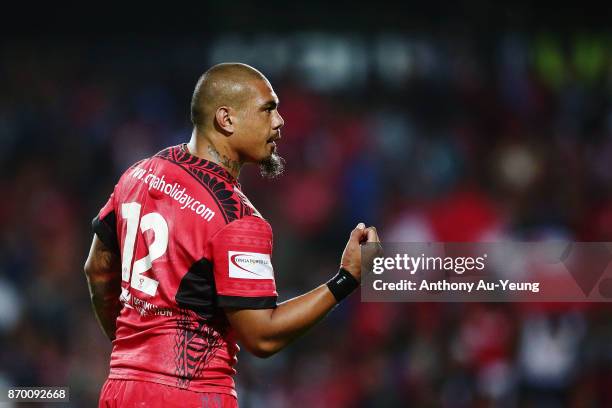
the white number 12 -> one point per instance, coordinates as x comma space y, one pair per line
154, 221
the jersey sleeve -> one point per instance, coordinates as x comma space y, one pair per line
104, 225
242, 264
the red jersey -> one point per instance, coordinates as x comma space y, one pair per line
191, 243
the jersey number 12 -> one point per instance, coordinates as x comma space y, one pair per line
151, 221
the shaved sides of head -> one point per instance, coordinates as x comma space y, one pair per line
224, 84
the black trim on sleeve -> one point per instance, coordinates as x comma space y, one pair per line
106, 230
240, 302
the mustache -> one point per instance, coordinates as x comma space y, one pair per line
275, 136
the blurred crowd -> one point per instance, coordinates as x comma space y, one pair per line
480, 140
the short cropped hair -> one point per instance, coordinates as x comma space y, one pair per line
222, 84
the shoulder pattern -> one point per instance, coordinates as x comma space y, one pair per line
215, 179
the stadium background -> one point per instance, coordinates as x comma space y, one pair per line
484, 122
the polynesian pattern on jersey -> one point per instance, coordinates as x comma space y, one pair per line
196, 342
208, 174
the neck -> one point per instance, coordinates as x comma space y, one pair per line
204, 148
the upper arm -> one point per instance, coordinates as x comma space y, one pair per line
103, 263
244, 279
104, 255
250, 325
241, 254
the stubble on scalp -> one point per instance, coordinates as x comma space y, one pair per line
227, 84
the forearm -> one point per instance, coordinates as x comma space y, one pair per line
265, 332
105, 301
294, 317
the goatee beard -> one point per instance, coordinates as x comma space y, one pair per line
272, 167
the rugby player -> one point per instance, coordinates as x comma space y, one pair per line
180, 265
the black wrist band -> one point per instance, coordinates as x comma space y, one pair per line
342, 285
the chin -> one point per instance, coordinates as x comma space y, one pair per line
272, 166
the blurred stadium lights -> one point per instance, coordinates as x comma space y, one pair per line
326, 61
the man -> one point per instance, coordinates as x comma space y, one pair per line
180, 264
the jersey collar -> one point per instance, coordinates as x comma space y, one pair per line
204, 164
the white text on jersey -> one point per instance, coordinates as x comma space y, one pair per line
174, 191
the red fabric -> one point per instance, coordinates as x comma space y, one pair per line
249, 235
135, 394
156, 339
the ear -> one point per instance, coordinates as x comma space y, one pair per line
223, 119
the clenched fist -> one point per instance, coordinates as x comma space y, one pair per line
351, 257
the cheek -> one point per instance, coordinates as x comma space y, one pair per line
260, 128
254, 128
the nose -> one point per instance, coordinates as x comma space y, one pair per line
280, 122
